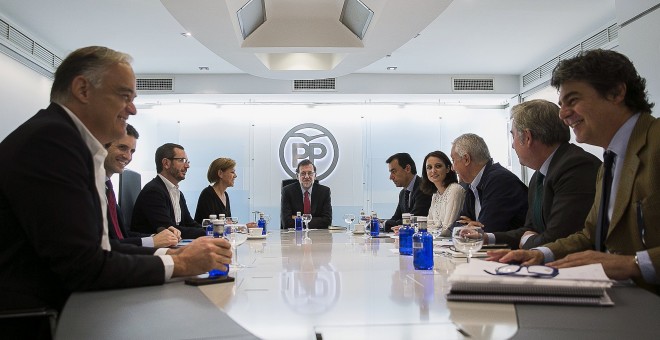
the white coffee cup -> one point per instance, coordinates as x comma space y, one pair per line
255, 231
358, 228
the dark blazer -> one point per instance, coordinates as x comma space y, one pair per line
420, 203
568, 193
292, 202
51, 213
638, 196
153, 210
210, 204
130, 237
503, 200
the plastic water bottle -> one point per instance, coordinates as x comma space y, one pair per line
208, 227
375, 225
262, 223
405, 236
363, 217
219, 226
218, 230
422, 243
299, 221
218, 272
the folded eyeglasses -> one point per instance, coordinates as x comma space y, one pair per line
530, 271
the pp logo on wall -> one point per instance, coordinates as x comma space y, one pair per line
309, 141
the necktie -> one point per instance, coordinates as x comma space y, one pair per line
112, 208
603, 224
537, 209
406, 202
307, 205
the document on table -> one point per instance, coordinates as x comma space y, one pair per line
577, 285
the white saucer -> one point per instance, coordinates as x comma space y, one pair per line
358, 232
256, 237
334, 227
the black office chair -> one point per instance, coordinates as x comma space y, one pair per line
130, 184
288, 181
33, 323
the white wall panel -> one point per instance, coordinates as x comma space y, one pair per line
366, 136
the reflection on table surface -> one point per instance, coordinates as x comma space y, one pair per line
348, 287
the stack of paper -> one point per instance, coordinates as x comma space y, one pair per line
584, 285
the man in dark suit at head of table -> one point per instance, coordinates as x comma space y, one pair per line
53, 203
306, 196
403, 173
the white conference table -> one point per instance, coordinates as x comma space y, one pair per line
341, 286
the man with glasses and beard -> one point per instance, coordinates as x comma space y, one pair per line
161, 204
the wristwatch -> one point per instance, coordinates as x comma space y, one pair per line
637, 262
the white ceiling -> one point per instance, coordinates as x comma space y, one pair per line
491, 37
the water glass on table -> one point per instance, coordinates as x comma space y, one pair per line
468, 239
306, 219
236, 235
349, 218
434, 227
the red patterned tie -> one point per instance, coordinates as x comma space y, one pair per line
112, 208
307, 205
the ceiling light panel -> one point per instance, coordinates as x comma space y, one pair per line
251, 16
356, 16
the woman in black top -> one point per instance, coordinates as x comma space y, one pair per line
214, 199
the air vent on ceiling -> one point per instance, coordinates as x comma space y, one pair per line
598, 40
155, 84
27, 51
473, 84
327, 84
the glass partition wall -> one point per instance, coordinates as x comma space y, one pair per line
349, 144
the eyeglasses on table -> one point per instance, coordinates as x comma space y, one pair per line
538, 271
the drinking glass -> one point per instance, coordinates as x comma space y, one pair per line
236, 235
349, 218
367, 227
435, 227
468, 239
306, 219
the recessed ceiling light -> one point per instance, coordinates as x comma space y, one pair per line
186, 34
203, 68
391, 68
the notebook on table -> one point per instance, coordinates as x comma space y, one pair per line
583, 285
